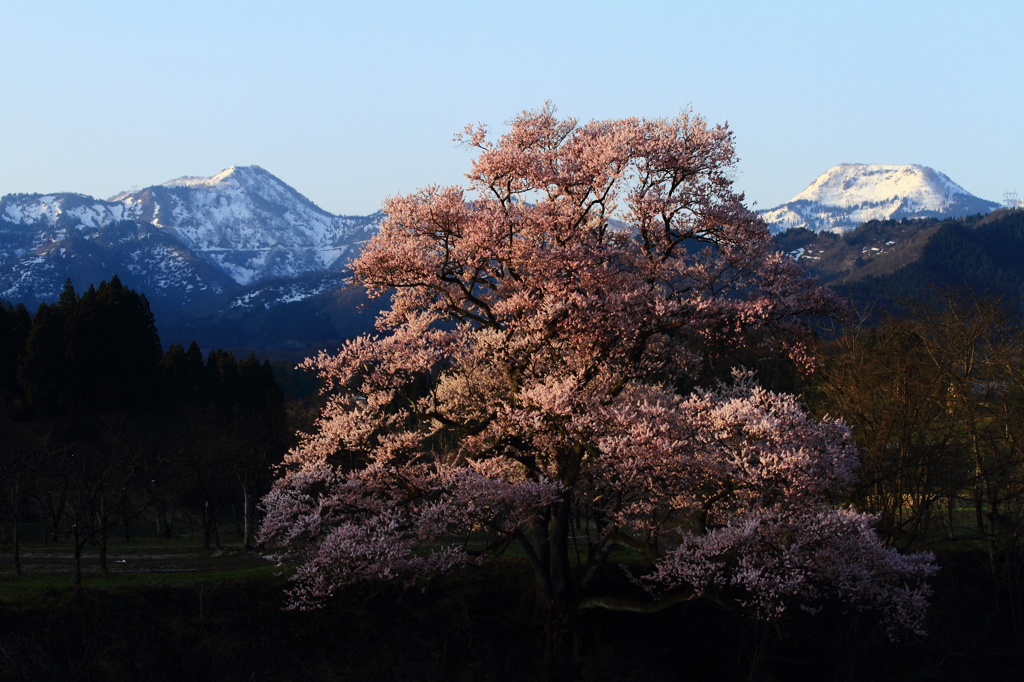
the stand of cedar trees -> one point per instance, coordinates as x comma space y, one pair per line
105, 431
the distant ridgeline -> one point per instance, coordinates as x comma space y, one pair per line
238, 260
882, 262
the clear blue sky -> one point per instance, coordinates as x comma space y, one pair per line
352, 101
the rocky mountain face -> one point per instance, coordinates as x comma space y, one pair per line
198, 248
851, 194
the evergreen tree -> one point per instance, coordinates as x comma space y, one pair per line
15, 325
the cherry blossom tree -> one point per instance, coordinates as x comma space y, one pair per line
525, 390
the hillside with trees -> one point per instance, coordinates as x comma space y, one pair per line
882, 262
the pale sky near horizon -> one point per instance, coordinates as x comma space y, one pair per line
350, 102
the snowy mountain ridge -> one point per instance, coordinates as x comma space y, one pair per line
244, 221
850, 194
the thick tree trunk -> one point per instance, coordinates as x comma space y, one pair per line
561, 643
556, 594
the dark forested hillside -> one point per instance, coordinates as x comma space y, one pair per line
984, 255
882, 262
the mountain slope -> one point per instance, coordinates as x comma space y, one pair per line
244, 221
208, 253
850, 194
252, 225
881, 262
36, 259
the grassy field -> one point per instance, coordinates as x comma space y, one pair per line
141, 561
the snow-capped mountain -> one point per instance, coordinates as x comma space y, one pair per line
198, 248
184, 240
850, 194
244, 221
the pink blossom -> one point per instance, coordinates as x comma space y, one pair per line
521, 388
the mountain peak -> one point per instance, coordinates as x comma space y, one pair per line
851, 184
849, 194
237, 174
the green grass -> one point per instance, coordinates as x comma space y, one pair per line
48, 568
30, 587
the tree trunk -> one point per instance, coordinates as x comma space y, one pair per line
164, 525
103, 534
206, 525
55, 514
125, 517
234, 517
951, 510
14, 528
993, 528
979, 510
79, 543
561, 643
103, 548
557, 596
17, 548
249, 514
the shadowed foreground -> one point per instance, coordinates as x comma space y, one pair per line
469, 626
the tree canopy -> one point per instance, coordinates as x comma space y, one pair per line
531, 384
